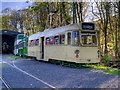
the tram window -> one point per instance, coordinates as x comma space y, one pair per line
23, 44
56, 39
19, 45
89, 40
47, 41
26, 44
62, 39
32, 43
94, 39
75, 38
20, 36
51, 41
69, 38
37, 42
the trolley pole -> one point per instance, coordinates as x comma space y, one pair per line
51, 14
73, 11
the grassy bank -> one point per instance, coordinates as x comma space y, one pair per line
15, 57
109, 70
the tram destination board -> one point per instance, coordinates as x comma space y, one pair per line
88, 26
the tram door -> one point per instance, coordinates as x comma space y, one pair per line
42, 47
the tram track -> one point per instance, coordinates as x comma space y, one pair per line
77, 75
30, 75
5, 83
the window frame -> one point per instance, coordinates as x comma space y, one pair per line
32, 43
70, 37
47, 42
60, 39
92, 42
79, 40
58, 43
36, 44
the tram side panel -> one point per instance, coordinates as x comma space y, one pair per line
25, 48
37, 49
34, 49
72, 54
30, 49
37, 52
57, 52
82, 54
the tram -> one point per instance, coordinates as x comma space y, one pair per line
23, 47
18, 38
73, 43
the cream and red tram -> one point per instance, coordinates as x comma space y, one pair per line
73, 43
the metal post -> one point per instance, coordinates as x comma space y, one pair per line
73, 11
51, 17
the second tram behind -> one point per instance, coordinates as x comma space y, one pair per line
18, 38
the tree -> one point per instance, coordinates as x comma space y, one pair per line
79, 11
5, 18
5, 22
104, 10
14, 19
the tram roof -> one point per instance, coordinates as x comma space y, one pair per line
34, 36
56, 31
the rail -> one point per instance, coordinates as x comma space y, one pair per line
7, 86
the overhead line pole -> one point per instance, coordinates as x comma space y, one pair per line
73, 11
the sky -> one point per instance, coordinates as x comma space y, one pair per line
14, 5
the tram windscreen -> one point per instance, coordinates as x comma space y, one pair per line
20, 36
89, 40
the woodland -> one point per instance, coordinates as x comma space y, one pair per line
42, 15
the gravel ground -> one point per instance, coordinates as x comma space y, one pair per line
17, 79
59, 76
64, 77
1, 85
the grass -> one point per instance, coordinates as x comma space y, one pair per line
108, 70
100, 67
15, 57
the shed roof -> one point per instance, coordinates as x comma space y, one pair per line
9, 32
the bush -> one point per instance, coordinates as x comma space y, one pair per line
106, 60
